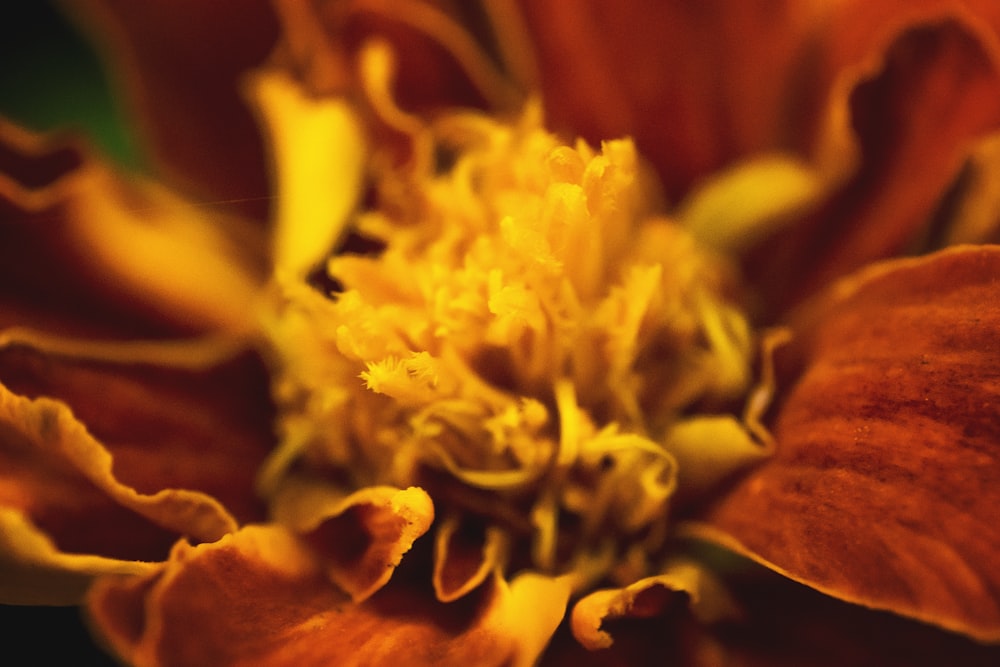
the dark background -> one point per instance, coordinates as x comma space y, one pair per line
51, 79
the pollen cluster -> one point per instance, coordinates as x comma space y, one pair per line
522, 344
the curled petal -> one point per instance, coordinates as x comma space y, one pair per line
58, 478
465, 556
203, 429
361, 537
42, 434
882, 490
648, 597
258, 597
144, 456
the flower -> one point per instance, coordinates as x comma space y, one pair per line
499, 425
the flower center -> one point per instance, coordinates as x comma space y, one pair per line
521, 347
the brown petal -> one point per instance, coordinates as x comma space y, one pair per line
146, 455
181, 63
883, 487
322, 40
916, 103
696, 86
34, 571
82, 250
257, 597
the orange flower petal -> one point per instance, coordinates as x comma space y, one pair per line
649, 597
145, 455
257, 597
57, 478
883, 487
916, 104
696, 87
360, 537
181, 63
465, 555
972, 210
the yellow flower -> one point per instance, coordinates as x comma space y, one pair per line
519, 390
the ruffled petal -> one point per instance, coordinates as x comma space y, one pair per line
361, 537
649, 597
58, 481
465, 555
180, 64
258, 597
141, 457
883, 488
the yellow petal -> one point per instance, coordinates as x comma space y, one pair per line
710, 448
319, 156
745, 202
710, 602
465, 554
386, 521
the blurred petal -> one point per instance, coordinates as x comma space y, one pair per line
125, 245
318, 148
972, 211
58, 478
883, 488
727, 78
181, 64
361, 537
145, 455
439, 64
437, 58
710, 449
33, 570
927, 92
257, 597
750, 200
